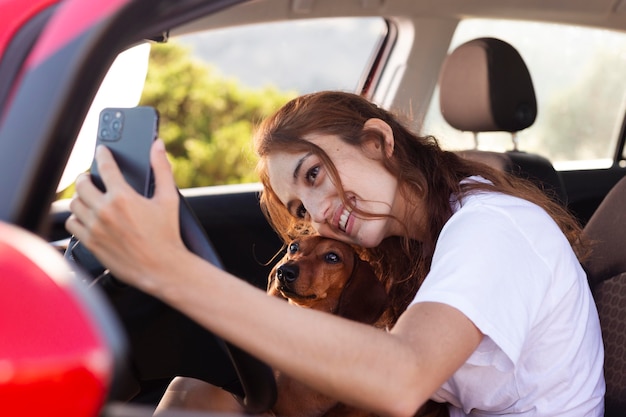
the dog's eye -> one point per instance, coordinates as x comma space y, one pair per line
293, 248
332, 258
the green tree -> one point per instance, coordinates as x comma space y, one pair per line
206, 120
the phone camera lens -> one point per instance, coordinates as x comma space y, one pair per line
111, 125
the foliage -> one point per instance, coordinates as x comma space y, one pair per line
67, 192
206, 120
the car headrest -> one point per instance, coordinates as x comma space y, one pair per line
485, 86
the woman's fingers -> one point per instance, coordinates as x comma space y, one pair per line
164, 185
166, 195
109, 171
82, 218
75, 227
87, 192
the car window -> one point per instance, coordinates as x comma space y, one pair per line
211, 88
576, 72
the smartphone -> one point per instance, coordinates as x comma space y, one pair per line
129, 134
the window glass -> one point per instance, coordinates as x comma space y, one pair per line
122, 87
577, 74
301, 56
212, 88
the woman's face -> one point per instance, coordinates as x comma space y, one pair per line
303, 184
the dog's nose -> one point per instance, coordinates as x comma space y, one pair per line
287, 273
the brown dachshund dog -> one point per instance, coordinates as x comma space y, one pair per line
327, 275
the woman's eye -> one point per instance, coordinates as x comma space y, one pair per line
332, 258
300, 212
293, 248
312, 173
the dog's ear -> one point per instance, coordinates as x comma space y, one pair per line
271, 288
364, 297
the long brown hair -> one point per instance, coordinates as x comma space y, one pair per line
422, 168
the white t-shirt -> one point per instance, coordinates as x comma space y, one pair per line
504, 263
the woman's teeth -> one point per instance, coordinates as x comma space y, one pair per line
343, 220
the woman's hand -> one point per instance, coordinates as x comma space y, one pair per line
131, 235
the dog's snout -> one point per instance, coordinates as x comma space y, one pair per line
287, 273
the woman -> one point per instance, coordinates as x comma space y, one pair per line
503, 322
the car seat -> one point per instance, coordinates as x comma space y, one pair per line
606, 271
485, 86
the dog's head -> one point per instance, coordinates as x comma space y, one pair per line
327, 275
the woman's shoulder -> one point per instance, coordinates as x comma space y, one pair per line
503, 216
497, 204
484, 198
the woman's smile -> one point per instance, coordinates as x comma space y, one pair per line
341, 217
343, 220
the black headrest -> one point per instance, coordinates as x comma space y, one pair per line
485, 86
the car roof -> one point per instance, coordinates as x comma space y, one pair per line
608, 14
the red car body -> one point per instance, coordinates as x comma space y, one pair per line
54, 358
15, 14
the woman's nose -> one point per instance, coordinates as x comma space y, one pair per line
318, 210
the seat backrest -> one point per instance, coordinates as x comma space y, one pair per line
606, 271
485, 86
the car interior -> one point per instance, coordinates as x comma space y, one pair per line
471, 88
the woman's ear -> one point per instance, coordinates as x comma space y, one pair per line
382, 127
